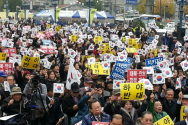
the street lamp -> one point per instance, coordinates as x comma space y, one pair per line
181, 3
55, 3
89, 4
25, 4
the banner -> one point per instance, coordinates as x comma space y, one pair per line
30, 62
3, 56
132, 91
100, 123
154, 62
165, 121
57, 12
136, 75
48, 49
6, 67
120, 69
92, 14
46, 42
98, 69
182, 114
10, 52
133, 2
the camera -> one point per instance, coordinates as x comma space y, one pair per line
98, 86
35, 81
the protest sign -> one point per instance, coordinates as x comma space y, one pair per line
104, 47
6, 86
3, 56
116, 83
10, 52
120, 69
131, 50
57, 29
158, 78
100, 123
165, 121
30, 62
97, 39
6, 67
98, 69
182, 114
46, 42
74, 38
135, 75
132, 91
58, 88
154, 62
85, 58
48, 49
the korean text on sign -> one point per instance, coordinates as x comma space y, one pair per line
74, 38
182, 114
30, 62
3, 56
132, 91
154, 62
99, 70
164, 121
6, 67
48, 49
136, 75
100, 123
10, 52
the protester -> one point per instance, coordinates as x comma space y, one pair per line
116, 120
184, 122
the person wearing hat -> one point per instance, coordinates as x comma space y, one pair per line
3, 77
115, 99
88, 82
14, 103
70, 102
53, 104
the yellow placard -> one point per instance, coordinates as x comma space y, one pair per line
132, 91
182, 113
74, 38
104, 47
165, 121
48, 26
134, 43
86, 65
30, 62
3, 56
131, 50
97, 39
57, 29
124, 39
138, 46
99, 70
155, 53
85, 58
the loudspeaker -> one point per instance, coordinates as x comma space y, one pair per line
181, 33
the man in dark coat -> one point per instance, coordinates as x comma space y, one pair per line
169, 103
55, 114
70, 102
95, 114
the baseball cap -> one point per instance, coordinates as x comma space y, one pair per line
75, 88
116, 92
185, 97
88, 80
2, 74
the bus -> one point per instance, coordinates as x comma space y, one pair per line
149, 18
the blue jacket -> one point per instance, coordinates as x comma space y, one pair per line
88, 119
83, 110
171, 44
165, 39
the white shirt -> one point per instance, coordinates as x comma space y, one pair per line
186, 121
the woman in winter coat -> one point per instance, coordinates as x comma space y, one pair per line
155, 107
51, 77
129, 113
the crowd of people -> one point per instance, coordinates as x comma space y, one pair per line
91, 97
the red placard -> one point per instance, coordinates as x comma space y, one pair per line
6, 67
10, 52
135, 75
48, 49
100, 123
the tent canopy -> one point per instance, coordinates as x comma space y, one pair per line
44, 13
79, 14
109, 16
98, 16
66, 14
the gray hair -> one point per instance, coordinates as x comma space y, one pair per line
186, 110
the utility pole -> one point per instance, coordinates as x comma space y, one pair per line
160, 7
7, 8
164, 8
